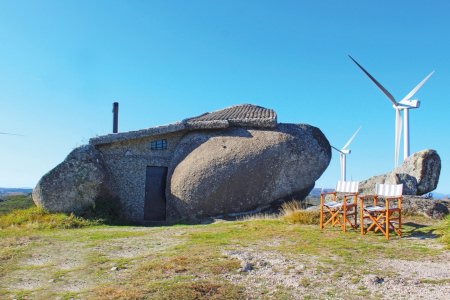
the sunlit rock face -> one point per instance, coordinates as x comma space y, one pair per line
240, 169
74, 184
419, 174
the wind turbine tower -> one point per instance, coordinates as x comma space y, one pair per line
403, 105
343, 154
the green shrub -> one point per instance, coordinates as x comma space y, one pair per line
38, 218
292, 213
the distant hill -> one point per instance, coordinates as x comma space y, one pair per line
440, 195
14, 191
316, 191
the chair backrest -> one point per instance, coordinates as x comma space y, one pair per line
347, 186
389, 190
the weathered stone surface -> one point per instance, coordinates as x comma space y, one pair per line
435, 209
75, 183
419, 174
238, 170
425, 166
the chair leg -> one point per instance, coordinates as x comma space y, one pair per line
350, 218
377, 223
361, 221
387, 224
344, 216
321, 217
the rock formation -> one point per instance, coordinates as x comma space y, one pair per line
432, 208
230, 161
74, 184
419, 174
239, 170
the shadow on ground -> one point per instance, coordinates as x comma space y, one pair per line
418, 231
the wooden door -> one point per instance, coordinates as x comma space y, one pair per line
155, 194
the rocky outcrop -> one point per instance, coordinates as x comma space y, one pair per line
74, 184
432, 208
237, 169
419, 174
229, 161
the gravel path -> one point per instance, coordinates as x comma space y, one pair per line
307, 277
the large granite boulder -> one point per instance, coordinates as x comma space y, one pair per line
237, 170
74, 184
419, 174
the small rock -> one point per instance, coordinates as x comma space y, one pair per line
262, 263
437, 211
246, 266
51, 280
114, 268
378, 280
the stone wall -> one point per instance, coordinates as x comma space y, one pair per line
127, 162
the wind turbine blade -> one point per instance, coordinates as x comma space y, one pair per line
6, 133
391, 98
414, 90
398, 134
351, 139
337, 149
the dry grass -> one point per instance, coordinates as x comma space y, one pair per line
292, 213
197, 261
191, 290
114, 292
38, 218
260, 216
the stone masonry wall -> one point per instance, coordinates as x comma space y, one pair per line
127, 162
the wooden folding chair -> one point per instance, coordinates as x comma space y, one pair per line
340, 208
383, 217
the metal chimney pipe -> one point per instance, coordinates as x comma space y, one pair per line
115, 117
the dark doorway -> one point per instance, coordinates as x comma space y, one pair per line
155, 194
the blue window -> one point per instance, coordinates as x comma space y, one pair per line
158, 145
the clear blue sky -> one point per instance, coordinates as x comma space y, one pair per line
63, 63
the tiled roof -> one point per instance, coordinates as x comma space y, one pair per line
244, 115
238, 112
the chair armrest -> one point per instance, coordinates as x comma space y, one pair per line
367, 196
363, 198
392, 198
350, 194
399, 202
327, 193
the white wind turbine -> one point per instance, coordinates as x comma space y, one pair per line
403, 105
343, 154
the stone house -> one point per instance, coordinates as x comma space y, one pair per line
232, 160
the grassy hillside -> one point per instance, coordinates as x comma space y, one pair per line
10, 203
255, 259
